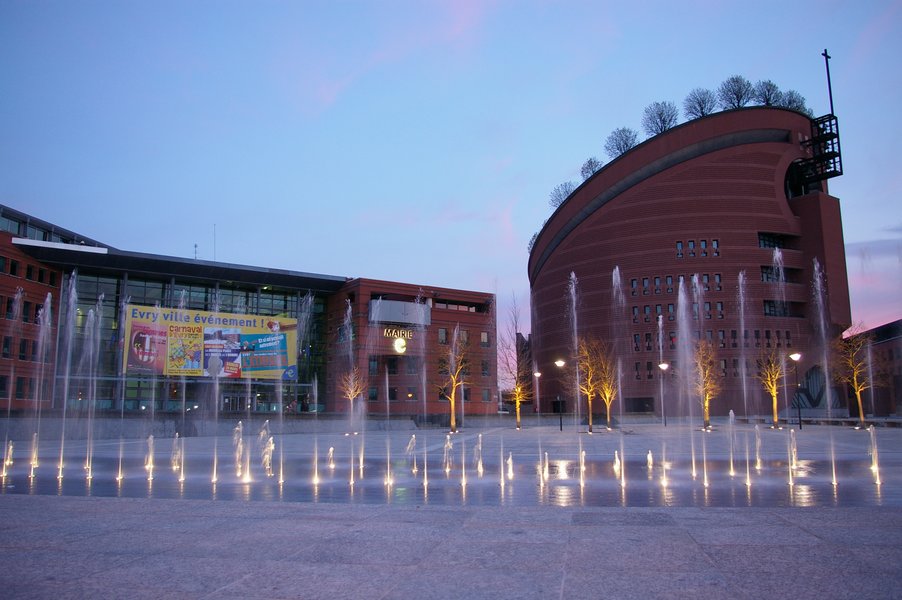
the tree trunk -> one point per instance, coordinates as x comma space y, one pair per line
517, 408
589, 402
707, 412
860, 407
608, 411
776, 417
453, 415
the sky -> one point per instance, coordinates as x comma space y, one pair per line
407, 140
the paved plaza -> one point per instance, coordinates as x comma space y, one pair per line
845, 543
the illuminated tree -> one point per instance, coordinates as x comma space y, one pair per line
770, 372
454, 367
352, 385
515, 361
851, 365
707, 382
597, 374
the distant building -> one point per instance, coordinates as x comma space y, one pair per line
139, 332
736, 193
885, 399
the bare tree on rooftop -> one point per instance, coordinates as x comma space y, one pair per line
766, 93
796, 101
659, 117
560, 193
700, 102
735, 92
622, 139
590, 167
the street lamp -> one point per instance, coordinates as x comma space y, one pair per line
559, 363
795, 357
663, 366
537, 374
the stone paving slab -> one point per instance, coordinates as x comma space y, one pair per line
75, 547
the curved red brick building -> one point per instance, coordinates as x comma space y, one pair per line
712, 197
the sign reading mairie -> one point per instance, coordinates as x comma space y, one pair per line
392, 332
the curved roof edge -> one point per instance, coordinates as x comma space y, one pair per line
650, 169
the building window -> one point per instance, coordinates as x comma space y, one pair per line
392, 394
413, 365
3, 384
635, 314
465, 394
722, 338
7, 346
464, 336
636, 342
372, 394
691, 247
705, 281
52, 279
485, 368
392, 365
29, 272
771, 240
638, 367
670, 312
646, 310
673, 339
719, 306
20, 387
374, 365
717, 282
442, 335
715, 248
486, 395
484, 339
733, 338
645, 283
634, 287
657, 285
703, 245
647, 342
23, 349
42, 275
707, 310
411, 393
14, 268
679, 249
669, 282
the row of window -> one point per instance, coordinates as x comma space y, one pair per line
647, 314
30, 312
25, 387
14, 269
665, 284
395, 394
702, 250
24, 345
31, 231
735, 371
777, 338
464, 337
412, 366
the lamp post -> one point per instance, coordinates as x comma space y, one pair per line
663, 366
559, 363
795, 357
537, 374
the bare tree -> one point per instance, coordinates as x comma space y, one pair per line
852, 367
560, 193
735, 92
659, 117
515, 363
770, 373
622, 139
766, 93
795, 101
352, 384
699, 103
590, 167
587, 363
454, 367
707, 383
532, 242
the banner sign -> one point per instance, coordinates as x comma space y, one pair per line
196, 343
